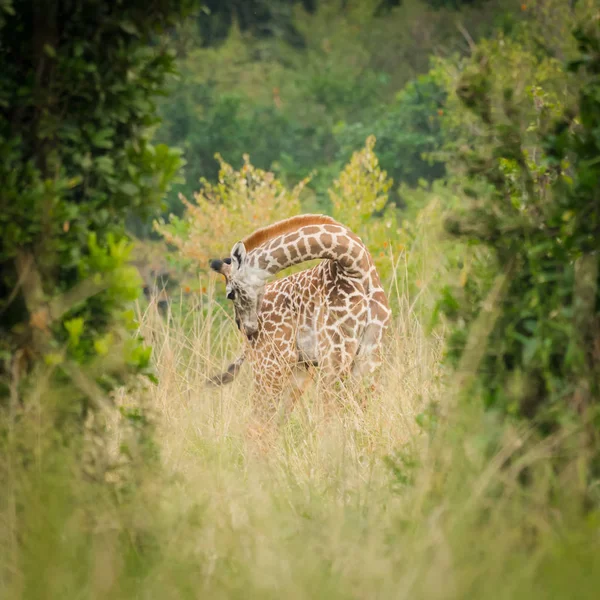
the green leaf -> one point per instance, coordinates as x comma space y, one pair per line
103, 344
129, 189
75, 329
49, 51
129, 27
530, 348
53, 359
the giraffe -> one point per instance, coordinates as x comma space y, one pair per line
331, 317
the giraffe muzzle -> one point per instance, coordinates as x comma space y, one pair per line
249, 330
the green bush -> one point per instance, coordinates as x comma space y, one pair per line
362, 70
202, 122
532, 331
78, 87
407, 132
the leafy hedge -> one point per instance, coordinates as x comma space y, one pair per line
78, 86
532, 331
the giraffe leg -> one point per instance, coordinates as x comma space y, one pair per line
299, 380
367, 361
368, 355
363, 376
276, 394
265, 397
274, 405
336, 367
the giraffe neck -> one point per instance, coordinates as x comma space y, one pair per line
324, 241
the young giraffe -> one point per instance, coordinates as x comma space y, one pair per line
332, 315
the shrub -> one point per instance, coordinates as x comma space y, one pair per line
540, 219
407, 132
245, 200
77, 90
359, 197
227, 211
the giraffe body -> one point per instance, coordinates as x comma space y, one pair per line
331, 316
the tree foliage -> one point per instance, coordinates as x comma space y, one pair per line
260, 17
359, 199
535, 165
363, 70
78, 87
408, 132
240, 202
201, 119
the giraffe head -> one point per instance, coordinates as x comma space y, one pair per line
245, 286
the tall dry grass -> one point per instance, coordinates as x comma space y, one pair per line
192, 342
302, 512
414, 494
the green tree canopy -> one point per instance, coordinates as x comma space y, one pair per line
78, 83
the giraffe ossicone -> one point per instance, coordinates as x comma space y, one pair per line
332, 316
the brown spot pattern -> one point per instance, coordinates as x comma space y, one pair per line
332, 315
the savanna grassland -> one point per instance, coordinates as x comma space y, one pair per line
413, 492
459, 139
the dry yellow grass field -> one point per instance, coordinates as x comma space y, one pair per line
415, 492
304, 505
383, 499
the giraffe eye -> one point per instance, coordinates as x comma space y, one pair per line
231, 295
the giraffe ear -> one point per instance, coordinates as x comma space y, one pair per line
238, 255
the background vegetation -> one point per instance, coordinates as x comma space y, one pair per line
459, 139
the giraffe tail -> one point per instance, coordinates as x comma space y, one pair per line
229, 375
